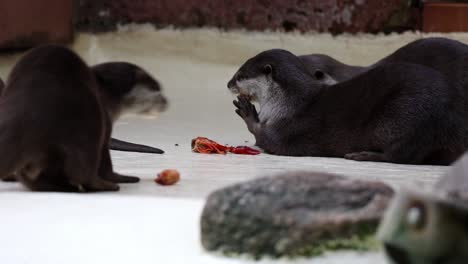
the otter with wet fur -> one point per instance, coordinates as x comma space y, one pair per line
400, 112
54, 127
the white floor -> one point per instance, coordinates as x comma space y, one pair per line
147, 223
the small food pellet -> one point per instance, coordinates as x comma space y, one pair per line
168, 177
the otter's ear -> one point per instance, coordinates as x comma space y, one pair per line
323, 77
267, 69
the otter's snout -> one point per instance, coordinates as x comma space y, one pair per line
396, 254
162, 103
232, 84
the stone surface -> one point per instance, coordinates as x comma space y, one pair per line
334, 16
293, 214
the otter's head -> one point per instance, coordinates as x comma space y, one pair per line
421, 228
322, 67
129, 90
271, 75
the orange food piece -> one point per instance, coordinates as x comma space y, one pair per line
208, 146
168, 177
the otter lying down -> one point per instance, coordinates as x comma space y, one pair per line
395, 112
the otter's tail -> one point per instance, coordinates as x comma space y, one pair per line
120, 145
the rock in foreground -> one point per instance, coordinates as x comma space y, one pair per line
297, 214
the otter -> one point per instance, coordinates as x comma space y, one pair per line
330, 70
54, 126
450, 57
445, 55
130, 91
135, 92
396, 112
429, 227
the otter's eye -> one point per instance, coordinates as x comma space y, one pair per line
319, 74
416, 216
267, 69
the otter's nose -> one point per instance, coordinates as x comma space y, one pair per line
231, 83
396, 254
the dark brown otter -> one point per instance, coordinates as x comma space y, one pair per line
129, 90
54, 126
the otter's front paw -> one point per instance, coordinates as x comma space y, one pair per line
246, 110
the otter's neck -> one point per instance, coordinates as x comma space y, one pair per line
287, 105
111, 104
274, 110
348, 72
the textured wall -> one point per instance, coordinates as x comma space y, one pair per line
24, 23
334, 16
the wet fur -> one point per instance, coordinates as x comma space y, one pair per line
397, 112
54, 128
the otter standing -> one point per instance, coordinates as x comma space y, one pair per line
401, 113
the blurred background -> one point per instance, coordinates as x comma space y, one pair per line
25, 23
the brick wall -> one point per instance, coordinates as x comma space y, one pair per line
335, 16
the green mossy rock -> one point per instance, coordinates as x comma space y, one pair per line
298, 214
